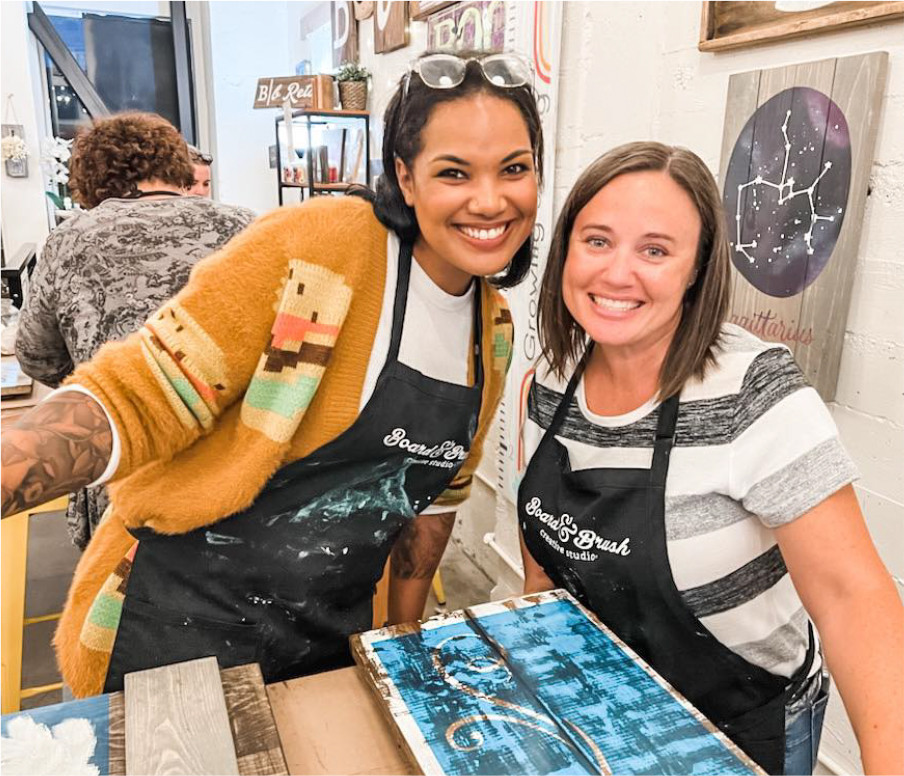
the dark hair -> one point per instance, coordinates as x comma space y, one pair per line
404, 121
110, 158
706, 301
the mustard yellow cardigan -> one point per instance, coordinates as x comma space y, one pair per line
256, 363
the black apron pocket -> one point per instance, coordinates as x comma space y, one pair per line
761, 734
149, 636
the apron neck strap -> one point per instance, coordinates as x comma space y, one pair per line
665, 438
401, 300
562, 409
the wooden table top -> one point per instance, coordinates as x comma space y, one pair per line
331, 723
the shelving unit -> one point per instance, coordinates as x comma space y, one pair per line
333, 144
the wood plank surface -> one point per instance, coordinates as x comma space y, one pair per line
257, 745
117, 736
331, 723
176, 721
857, 90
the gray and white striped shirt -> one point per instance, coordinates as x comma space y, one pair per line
755, 448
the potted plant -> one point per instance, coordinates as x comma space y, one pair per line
352, 79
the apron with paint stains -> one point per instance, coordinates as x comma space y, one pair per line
287, 581
611, 522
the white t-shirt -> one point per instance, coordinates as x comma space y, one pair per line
436, 338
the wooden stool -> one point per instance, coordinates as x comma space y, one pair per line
14, 554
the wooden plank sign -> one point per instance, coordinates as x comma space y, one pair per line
302, 91
796, 155
470, 26
535, 685
390, 25
345, 32
34, 741
177, 722
727, 25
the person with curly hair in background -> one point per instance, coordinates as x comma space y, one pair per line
107, 268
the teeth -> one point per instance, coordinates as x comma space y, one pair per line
482, 234
614, 304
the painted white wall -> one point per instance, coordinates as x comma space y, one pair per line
247, 42
23, 211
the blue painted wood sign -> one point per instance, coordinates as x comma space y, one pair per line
535, 685
53, 744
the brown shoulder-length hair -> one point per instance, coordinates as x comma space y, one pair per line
117, 152
706, 301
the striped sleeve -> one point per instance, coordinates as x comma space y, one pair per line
785, 455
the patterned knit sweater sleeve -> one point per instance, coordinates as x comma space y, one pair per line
254, 325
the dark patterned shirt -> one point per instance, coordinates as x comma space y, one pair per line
100, 276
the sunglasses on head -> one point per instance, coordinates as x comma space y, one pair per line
446, 71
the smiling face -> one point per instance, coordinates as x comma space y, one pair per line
631, 256
473, 188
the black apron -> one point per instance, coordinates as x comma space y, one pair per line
286, 582
619, 569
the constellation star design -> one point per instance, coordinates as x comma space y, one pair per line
786, 192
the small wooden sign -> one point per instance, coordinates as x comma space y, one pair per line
302, 91
345, 33
474, 26
390, 25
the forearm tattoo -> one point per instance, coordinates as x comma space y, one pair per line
61, 445
419, 548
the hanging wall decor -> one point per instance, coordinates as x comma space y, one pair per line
390, 25
470, 26
421, 10
364, 9
345, 32
796, 155
735, 24
13, 148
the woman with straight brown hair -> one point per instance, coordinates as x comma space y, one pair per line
688, 486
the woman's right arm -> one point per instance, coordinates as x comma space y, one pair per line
535, 578
61, 445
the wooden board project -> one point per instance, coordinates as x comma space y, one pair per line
797, 150
257, 745
177, 721
535, 685
99, 725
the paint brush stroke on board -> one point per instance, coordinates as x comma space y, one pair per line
542, 689
95, 710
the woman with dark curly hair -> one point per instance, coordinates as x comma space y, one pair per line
105, 270
129, 155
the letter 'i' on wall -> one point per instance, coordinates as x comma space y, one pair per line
390, 25
797, 149
345, 32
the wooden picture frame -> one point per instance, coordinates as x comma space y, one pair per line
729, 25
419, 11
